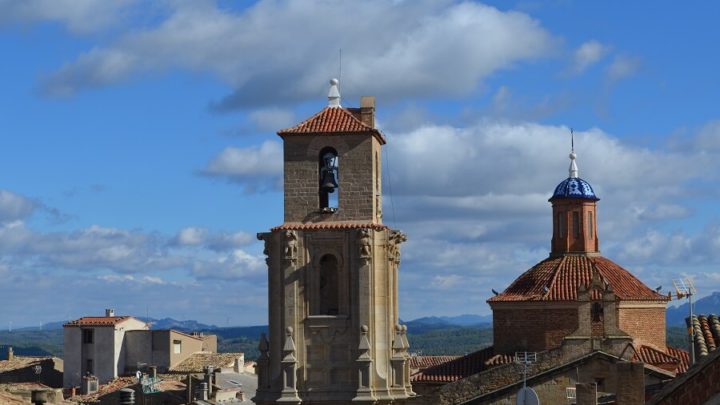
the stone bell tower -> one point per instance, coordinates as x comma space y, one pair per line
334, 333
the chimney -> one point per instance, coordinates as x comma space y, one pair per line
11, 354
631, 383
203, 391
38, 397
127, 396
188, 386
367, 110
109, 312
209, 374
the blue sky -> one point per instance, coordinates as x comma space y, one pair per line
139, 155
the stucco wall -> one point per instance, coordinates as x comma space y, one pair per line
188, 345
71, 357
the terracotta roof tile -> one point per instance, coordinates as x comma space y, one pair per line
654, 356
197, 361
672, 359
461, 367
10, 399
418, 363
557, 279
97, 321
681, 355
332, 120
105, 389
19, 362
328, 225
706, 330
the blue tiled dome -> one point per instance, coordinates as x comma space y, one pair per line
574, 187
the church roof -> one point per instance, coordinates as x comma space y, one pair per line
574, 187
461, 367
332, 121
558, 278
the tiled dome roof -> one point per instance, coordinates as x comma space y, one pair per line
574, 187
558, 278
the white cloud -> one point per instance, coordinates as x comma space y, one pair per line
708, 139
238, 264
588, 54
257, 167
191, 236
80, 16
124, 253
411, 54
622, 67
14, 206
272, 119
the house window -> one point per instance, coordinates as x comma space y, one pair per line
328, 170
88, 366
177, 346
576, 224
329, 286
87, 335
597, 312
590, 225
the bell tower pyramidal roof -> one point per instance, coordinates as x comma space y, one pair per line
332, 167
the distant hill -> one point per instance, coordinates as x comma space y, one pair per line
185, 326
165, 323
705, 306
431, 323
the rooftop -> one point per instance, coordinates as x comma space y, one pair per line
22, 362
333, 121
574, 187
458, 367
97, 321
706, 329
673, 359
558, 278
329, 225
197, 361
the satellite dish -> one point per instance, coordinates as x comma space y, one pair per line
527, 396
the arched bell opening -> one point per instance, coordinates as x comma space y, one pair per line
328, 170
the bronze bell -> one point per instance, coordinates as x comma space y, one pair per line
328, 183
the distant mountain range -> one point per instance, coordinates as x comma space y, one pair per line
704, 306
675, 317
165, 323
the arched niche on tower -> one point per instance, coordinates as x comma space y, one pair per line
328, 288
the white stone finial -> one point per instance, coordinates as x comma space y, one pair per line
573, 166
334, 94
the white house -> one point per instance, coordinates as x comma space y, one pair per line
94, 345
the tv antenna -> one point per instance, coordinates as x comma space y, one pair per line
684, 288
526, 395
